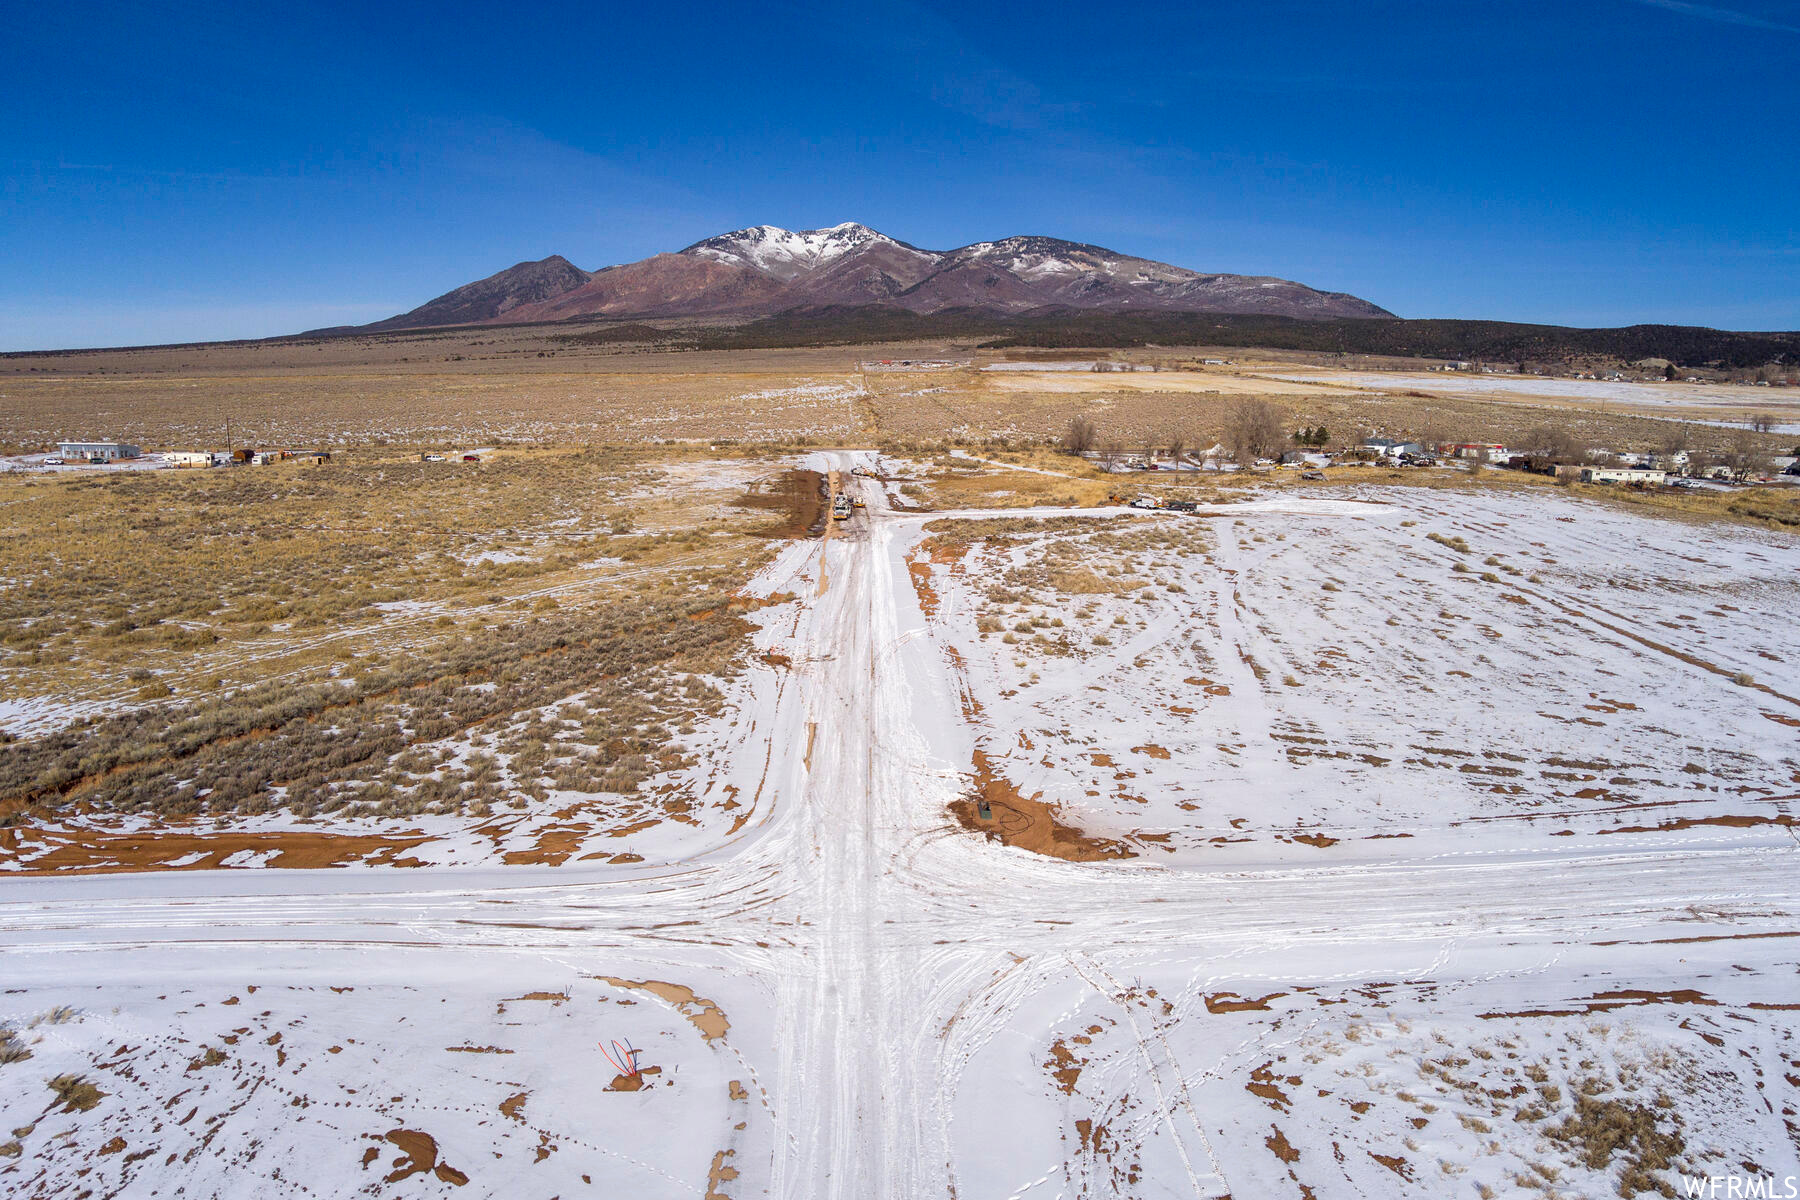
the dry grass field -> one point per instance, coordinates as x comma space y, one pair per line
368, 637
442, 410
546, 385
1132, 410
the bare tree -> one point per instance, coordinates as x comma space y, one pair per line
1554, 443
1177, 446
1763, 423
1431, 435
1745, 456
1080, 436
1252, 429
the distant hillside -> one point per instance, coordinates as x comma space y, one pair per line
1491, 341
491, 299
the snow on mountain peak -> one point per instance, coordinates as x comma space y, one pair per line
785, 253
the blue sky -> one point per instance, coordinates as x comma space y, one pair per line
200, 170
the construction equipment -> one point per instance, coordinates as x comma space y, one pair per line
840, 508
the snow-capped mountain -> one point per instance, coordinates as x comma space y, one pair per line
766, 269
784, 254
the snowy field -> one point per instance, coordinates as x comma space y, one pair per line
1388, 676
1679, 401
1408, 843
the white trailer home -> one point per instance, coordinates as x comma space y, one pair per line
97, 451
1622, 475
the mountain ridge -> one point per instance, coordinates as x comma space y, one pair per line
764, 269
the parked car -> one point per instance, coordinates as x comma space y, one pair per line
53, 462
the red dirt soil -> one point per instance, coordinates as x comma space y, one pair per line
1027, 823
155, 849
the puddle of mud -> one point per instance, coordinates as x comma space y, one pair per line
1027, 823
799, 497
